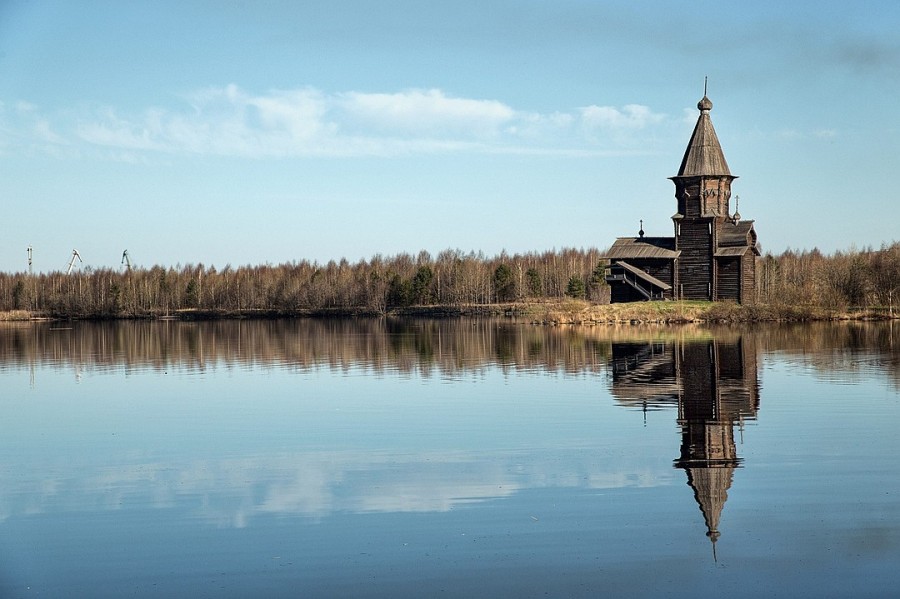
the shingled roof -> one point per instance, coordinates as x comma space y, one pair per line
704, 154
642, 247
735, 234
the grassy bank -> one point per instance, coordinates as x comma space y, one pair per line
542, 312
17, 316
578, 312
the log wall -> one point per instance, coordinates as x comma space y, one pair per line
729, 279
748, 278
695, 263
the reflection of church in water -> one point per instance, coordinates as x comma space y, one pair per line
713, 383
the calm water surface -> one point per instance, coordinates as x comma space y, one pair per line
466, 458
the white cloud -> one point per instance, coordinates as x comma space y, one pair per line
630, 116
541, 127
228, 121
427, 112
299, 113
232, 491
789, 134
25, 107
44, 132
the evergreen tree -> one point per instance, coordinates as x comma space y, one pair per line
575, 288
504, 284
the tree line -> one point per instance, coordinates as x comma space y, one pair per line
855, 278
452, 278
845, 279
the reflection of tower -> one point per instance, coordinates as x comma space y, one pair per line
714, 384
719, 388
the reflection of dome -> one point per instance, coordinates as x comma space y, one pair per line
709, 456
711, 491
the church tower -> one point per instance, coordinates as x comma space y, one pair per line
713, 253
703, 192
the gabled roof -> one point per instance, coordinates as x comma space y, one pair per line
737, 234
704, 154
736, 239
642, 247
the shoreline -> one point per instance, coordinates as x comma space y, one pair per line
562, 312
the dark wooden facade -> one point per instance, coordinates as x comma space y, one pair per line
642, 268
713, 253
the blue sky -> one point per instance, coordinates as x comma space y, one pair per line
266, 132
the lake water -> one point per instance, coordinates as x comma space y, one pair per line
458, 458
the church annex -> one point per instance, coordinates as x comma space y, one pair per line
713, 253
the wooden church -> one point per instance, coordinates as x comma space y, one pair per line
713, 253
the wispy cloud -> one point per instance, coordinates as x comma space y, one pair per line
631, 116
43, 131
229, 121
313, 484
792, 135
427, 112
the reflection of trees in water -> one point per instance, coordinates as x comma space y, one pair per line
401, 344
852, 347
410, 344
709, 375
